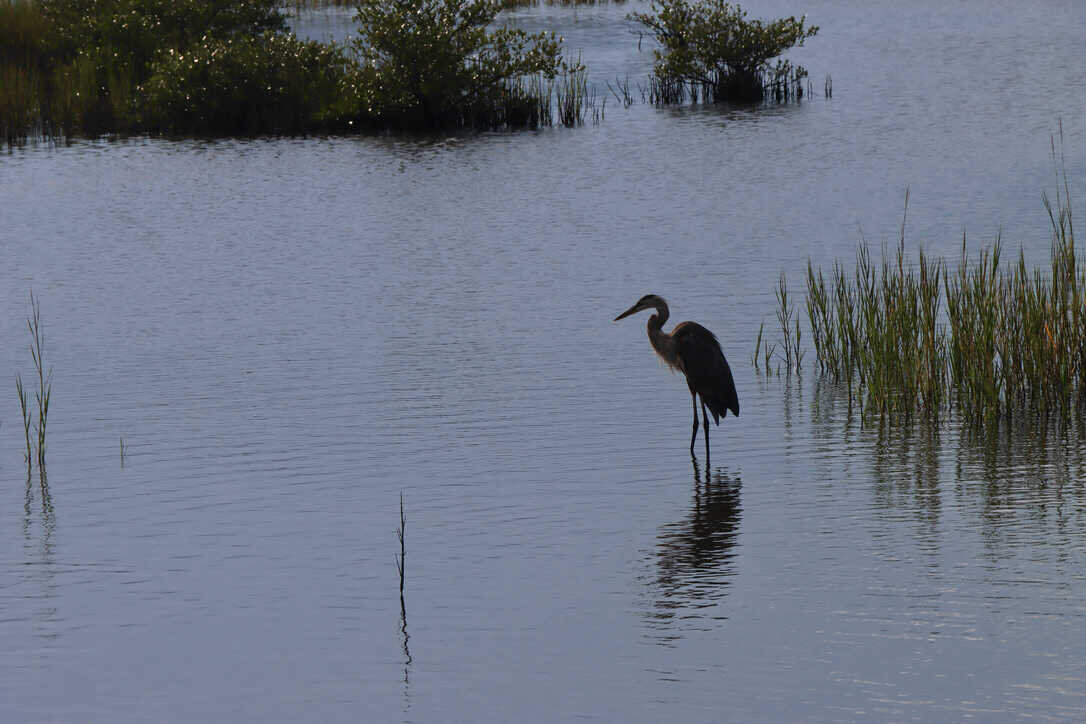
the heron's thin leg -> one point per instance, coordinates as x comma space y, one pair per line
694, 436
705, 419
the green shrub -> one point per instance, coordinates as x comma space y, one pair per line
227, 67
127, 35
711, 46
24, 33
25, 38
105, 48
435, 63
272, 83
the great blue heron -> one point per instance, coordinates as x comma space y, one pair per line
693, 350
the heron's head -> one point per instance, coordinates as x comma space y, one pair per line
649, 301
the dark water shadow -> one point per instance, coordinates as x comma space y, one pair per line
40, 569
1018, 481
905, 470
47, 515
694, 558
1024, 480
407, 660
1029, 445
834, 410
724, 113
401, 563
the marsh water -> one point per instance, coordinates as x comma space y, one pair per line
284, 335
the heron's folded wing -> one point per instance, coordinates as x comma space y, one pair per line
705, 367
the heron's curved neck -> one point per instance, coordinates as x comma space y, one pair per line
662, 313
661, 341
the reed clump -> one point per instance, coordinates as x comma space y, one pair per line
42, 394
763, 352
879, 329
1018, 336
575, 100
993, 341
790, 332
666, 90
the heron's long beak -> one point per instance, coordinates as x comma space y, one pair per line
628, 312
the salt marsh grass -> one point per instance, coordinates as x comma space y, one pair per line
574, 99
789, 323
27, 418
992, 340
42, 395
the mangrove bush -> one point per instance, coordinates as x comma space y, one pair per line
213, 67
437, 63
270, 83
710, 49
107, 49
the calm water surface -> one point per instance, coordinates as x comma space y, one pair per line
287, 334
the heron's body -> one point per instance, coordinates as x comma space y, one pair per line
693, 350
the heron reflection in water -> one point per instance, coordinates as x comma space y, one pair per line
695, 557
693, 350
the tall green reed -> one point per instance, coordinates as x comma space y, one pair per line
880, 329
44, 392
45, 380
27, 418
789, 324
574, 99
990, 340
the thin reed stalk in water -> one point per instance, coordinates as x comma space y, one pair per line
793, 356
757, 346
45, 380
818, 314
573, 98
621, 91
23, 403
667, 90
401, 557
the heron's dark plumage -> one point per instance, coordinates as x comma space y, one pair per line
707, 371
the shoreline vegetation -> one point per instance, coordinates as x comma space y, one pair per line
710, 50
308, 5
232, 68
991, 341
